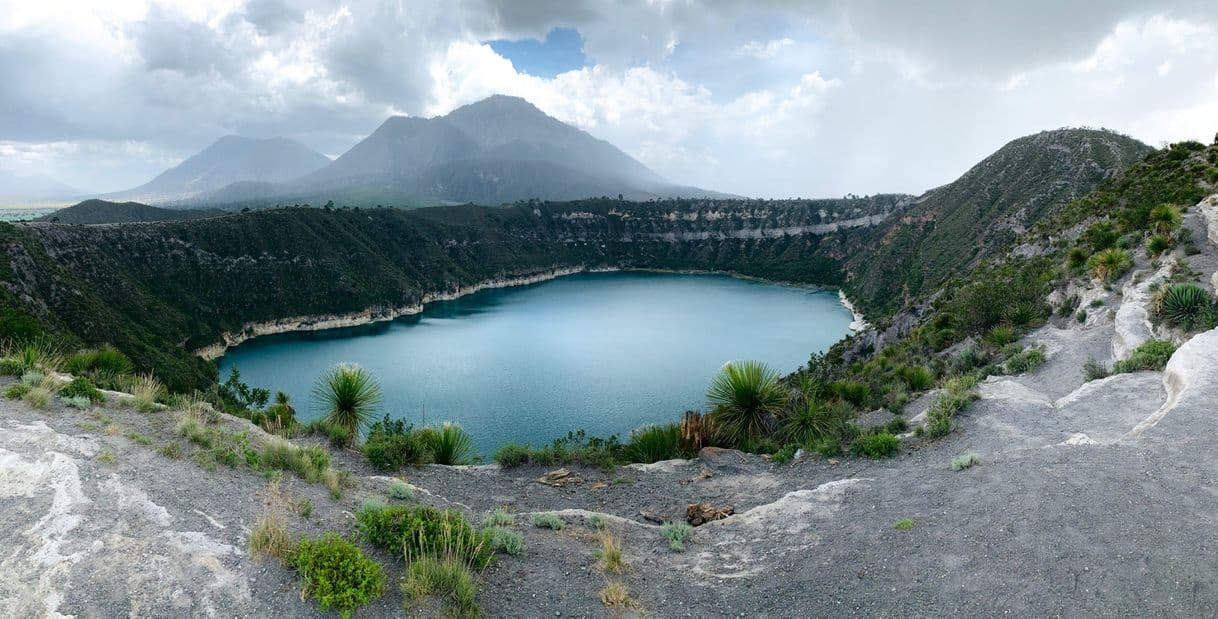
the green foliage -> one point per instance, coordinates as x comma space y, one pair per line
918, 378
876, 446
652, 443
270, 538
745, 398
1100, 236
504, 540
856, 393
147, 392
16, 391
400, 490
1110, 264
1188, 306
309, 462
1165, 218
348, 396
1157, 244
498, 518
784, 455
421, 530
904, 524
677, 534
1094, 370
105, 360
1025, 361
1150, 356
1003, 335
77, 402
393, 444
447, 578
511, 455
548, 521
957, 393
810, 421
80, 387
238, 396
965, 461
337, 573
448, 443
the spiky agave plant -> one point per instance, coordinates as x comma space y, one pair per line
745, 398
808, 422
1109, 264
1187, 305
1165, 218
450, 444
348, 396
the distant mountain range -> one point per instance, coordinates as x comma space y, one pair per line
501, 149
17, 188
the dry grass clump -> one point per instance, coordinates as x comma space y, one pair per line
610, 558
617, 596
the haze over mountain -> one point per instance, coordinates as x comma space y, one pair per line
231, 159
20, 188
498, 150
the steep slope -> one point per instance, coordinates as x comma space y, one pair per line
952, 228
501, 149
103, 212
230, 159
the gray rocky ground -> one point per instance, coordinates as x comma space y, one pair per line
1089, 499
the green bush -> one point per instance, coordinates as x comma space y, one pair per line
548, 521
400, 490
966, 461
512, 454
498, 518
505, 540
1152, 355
80, 387
1003, 335
957, 393
107, 360
1165, 218
393, 444
918, 378
309, 463
16, 391
1188, 306
446, 577
1110, 264
1025, 361
677, 533
448, 444
809, 421
422, 530
880, 445
337, 573
349, 396
1157, 244
784, 455
652, 443
1094, 370
745, 397
77, 402
856, 393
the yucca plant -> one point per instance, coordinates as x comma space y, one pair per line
1157, 244
808, 422
745, 398
449, 444
1165, 218
1187, 305
1109, 264
918, 378
348, 396
282, 410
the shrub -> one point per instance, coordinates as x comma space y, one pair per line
337, 573
511, 455
1003, 335
448, 578
80, 387
309, 463
918, 378
449, 444
1024, 313
16, 391
856, 393
1188, 306
609, 556
78, 402
1165, 218
1110, 264
270, 538
422, 530
172, 451
744, 399
146, 390
784, 455
392, 444
904, 524
576, 448
957, 393
1157, 244
38, 397
400, 490
105, 360
106, 456
1025, 361
616, 595
1152, 355
498, 518
1094, 370
504, 540
969, 358
876, 446
39, 356
652, 443
547, 521
963, 462
809, 421
677, 533
348, 396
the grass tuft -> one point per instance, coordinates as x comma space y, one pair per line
965, 461
677, 533
548, 521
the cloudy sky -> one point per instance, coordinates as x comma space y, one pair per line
758, 97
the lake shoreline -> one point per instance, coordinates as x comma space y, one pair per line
377, 314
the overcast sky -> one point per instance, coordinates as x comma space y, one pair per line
758, 97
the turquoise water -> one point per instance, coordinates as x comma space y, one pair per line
605, 352
22, 213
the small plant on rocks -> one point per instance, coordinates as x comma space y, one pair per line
677, 533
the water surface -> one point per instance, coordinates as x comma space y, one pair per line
605, 352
